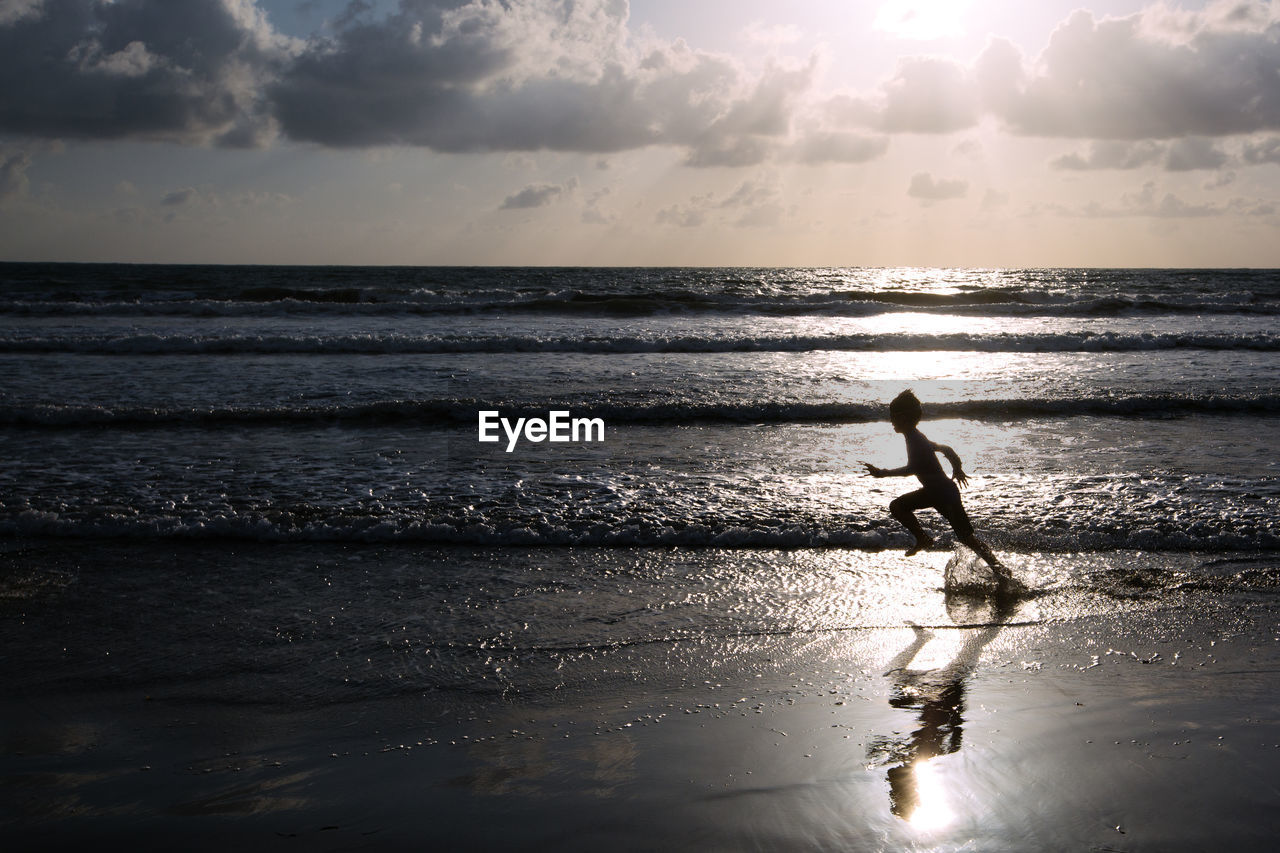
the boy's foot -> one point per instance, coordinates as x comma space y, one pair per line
920, 545
1009, 585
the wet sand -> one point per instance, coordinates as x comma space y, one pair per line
1140, 731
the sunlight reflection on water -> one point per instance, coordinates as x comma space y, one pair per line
932, 809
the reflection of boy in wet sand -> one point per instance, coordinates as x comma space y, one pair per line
938, 490
938, 695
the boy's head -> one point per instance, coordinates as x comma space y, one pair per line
905, 411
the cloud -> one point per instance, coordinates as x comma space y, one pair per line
1262, 151
591, 212
186, 197
530, 75
731, 152
1110, 154
1151, 75
1220, 179
754, 203
925, 95
690, 215
1193, 153
1150, 202
768, 215
926, 187
16, 10
820, 147
1180, 155
187, 72
536, 195
751, 194
13, 174
258, 198
1155, 75
178, 198
993, 199
929, 95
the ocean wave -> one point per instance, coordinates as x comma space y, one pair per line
458, 412
399, 343
258, 528
269, 301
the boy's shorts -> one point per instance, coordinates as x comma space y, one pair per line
945, 501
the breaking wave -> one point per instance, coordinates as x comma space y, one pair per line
400, 343
453, 412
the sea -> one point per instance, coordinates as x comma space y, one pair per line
267, 484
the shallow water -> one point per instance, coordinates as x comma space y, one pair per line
1096, 409
315, 625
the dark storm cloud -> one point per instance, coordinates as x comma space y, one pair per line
450, 75
524, 75
183, 70
454, 77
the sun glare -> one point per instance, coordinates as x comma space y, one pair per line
922, 19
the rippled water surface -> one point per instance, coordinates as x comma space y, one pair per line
1095, 409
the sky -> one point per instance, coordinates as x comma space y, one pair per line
985, 133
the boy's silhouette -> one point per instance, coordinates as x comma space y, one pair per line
938, 490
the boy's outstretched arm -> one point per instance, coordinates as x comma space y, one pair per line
957, 469
887, 472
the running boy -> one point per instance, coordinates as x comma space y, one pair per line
938, 490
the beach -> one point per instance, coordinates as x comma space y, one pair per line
1142, 718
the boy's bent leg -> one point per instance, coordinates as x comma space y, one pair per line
903, 508
954, 511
